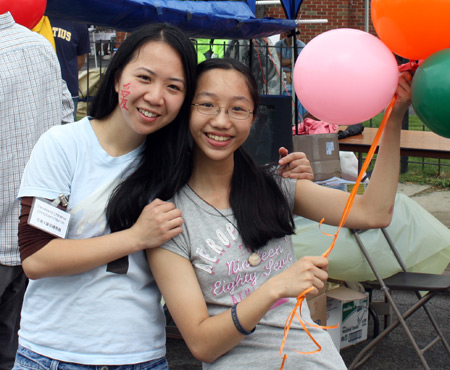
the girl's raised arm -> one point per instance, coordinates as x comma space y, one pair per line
374, 208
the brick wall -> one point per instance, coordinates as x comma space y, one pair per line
340, 14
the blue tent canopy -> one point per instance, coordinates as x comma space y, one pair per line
291, 8
199, 19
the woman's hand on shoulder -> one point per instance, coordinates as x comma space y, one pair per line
294, 165
158, 222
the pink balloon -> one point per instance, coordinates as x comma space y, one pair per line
345, 76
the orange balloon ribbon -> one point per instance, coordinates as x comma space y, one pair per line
409, 66
342, 221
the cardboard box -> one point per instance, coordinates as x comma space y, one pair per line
322, 151
349, 309
318, 308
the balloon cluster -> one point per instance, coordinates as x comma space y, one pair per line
25, 12
347, 76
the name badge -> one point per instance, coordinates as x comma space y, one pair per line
48, 218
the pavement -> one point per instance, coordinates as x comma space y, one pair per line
395, 351
435, 201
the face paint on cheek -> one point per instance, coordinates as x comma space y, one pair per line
123, 95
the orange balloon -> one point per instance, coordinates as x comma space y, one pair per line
413, 29
25, 12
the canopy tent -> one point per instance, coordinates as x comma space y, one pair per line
291, 8
199, 19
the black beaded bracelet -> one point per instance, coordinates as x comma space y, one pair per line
236, 322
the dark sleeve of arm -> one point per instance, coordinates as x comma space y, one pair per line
30, 238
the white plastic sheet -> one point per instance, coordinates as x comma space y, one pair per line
421, 239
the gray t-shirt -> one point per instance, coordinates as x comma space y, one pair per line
212, 243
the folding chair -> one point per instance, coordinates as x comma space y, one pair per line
432, 284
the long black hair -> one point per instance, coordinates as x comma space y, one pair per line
164, 165
261, 210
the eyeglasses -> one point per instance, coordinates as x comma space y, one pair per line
211, 109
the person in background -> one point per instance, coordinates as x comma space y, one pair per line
210, 48
44, 28
285, 50
230, 279
72, 45
33, 98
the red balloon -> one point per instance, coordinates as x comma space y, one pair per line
25, 12
413, 29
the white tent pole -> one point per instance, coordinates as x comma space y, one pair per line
310, 21
367, 12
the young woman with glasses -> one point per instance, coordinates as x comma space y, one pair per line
230, 278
